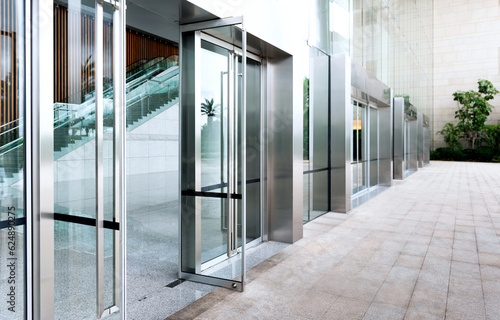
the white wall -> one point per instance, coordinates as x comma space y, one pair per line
466, 48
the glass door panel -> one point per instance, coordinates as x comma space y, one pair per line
213, 118
12, 160
317, 174
354, 148
214, 152
362, 148
253, 152
359, 148
86, 217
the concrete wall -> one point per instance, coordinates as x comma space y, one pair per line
466, 48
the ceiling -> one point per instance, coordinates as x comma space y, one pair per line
162, 18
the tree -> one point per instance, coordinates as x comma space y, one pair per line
473, 111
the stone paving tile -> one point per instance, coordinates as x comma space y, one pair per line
426, 248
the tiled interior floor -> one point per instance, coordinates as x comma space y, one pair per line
427, 248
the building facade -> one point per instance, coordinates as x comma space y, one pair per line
153, 150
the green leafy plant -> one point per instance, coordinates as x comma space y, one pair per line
493, 136
451, 135
208, 108
406, 98
473, 111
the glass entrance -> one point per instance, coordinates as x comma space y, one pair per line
220, 148
88, 136
359, 148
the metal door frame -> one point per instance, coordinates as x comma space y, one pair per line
40, 159
196, 275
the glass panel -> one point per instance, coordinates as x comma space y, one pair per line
354, 148
75, 156
214, 115
318, 126
373, 147
213, 229
75, 270
320, 197
253, 148
362, 147
307, 198
152, 169
12, 184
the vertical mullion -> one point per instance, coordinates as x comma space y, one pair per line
122, 54
6, 78
118, 156
2, 103
243, 157
98, 53
230, 139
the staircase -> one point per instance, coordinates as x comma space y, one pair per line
151, 88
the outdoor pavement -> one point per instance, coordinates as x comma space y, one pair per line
427, 248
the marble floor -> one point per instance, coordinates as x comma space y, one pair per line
426, 248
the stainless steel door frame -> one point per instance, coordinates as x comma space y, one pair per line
190, 212
119, 132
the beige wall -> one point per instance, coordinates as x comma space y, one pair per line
466, 48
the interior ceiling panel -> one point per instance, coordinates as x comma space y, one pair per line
162, 18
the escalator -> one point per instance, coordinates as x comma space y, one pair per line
151, 87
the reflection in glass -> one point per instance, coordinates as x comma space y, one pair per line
316, 136
12, 162
359, 167
75, 156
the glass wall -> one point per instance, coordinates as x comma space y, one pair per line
392, 39
76, 158
12, 162
316, 136
359, 148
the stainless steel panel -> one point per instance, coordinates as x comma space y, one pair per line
282, 158
42, 165
420, 139
318, 111
398, 137
341, 131
385, 145
373, 147
377, 91
426, 137
413, 147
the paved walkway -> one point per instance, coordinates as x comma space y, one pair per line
427, 248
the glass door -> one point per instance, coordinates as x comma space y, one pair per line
88, 158
359, 167
213, 218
